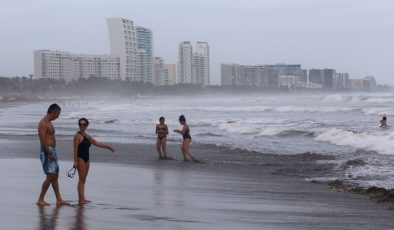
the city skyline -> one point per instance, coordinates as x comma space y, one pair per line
347, 36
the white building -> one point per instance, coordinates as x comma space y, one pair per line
163, 74
185, 63
201, 64
144, 54
341, 81
123, 43
288, 81
67, 66
193, 67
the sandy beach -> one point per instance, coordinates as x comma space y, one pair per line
133, 189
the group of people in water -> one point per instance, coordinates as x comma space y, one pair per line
82, 143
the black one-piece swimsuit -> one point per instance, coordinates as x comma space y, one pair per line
83, 148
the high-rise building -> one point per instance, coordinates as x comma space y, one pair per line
316, 76
144, 54
193, 67
163, 74
372, 82
169, 74
123, 43
67, 66
245, 75
201, 64
341, 81
329, 75
185, 63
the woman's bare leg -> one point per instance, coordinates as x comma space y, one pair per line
164, 147
158, 146
83, 169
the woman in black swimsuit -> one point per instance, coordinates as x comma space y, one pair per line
161, 142
185, 132
82, 143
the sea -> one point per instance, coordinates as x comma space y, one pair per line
345, 125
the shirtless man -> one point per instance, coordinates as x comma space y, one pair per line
48, 156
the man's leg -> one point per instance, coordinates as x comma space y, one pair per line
55, 186
44, 189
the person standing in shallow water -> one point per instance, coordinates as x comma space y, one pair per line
48, 155
383, 122
82, 143
161, 142
185, 132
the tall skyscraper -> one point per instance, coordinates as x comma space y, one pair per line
201, 64
123, 43
185, 63
193, 67
144, 54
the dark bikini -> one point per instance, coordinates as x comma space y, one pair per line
161, 132
83, 148
186, 135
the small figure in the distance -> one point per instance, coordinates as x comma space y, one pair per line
383, 122
161, 142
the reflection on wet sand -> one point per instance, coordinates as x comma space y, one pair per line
79, 223
48, 220
49, 217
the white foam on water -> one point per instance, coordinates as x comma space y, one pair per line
382, 142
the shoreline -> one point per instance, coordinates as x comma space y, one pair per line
234, 189
219, 159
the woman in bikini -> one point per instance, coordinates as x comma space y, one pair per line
185, 132
161, 142
82, 143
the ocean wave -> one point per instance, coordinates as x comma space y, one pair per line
349, 164
371, 98
208, 135
376, 193
381, 142
293, 132
378, 111
282, 109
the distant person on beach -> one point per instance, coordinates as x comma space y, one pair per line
185, 132
161, 142
82, 143
383, 122
48, 155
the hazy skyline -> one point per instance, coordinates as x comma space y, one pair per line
349, 36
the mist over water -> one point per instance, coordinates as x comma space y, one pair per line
344, 125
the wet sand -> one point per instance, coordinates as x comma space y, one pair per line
133, 189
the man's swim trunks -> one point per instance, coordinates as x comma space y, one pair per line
48, 165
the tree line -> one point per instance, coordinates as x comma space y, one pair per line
28, 87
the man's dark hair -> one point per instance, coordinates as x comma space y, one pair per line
54, 108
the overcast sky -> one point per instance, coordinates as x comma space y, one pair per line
354, 36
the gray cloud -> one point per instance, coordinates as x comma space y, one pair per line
350, 36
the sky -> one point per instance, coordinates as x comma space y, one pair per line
353, 36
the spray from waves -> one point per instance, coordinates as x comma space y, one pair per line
371, 98
283, 109
378, 111
381, 142
264, 130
